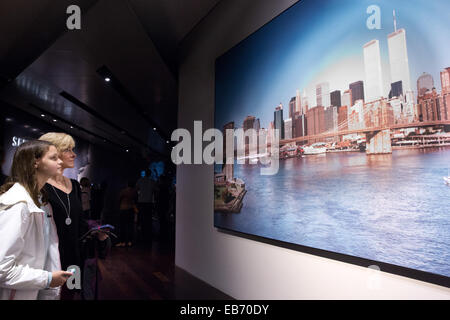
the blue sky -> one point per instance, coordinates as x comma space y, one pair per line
322, 40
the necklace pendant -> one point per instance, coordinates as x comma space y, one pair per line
68, 221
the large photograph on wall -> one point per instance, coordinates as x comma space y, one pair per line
359, 92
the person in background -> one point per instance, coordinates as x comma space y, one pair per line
127, 198
145, 187
162, 206
2, 160
86, 197
30, 266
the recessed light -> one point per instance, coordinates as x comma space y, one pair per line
54, 120
42, 115
154, 129
127, 150
167, 141
26, 126
8, 119
71, 127
107, 79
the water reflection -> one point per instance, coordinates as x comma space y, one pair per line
390, 208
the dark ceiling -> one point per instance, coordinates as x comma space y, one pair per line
46, 69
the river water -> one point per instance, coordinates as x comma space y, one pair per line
392, 208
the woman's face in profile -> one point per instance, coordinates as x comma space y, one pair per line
68, 158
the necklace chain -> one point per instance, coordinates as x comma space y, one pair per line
68, 202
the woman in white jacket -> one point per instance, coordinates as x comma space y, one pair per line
29, 256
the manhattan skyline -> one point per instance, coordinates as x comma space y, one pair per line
243, 90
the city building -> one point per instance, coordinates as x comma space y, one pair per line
372, 67
298, 102
304, 102
396, 90
445, 85
227, 169
292, 107
299, 126
425, 83
398, 59
288, 128
357, 90
331, 119
335, 98
429, 107
316, 120
343, 118
323, 94
278, 120
347, 98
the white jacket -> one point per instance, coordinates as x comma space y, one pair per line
25, 262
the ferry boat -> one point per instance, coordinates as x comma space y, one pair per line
315, 148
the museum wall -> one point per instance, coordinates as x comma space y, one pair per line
241, 267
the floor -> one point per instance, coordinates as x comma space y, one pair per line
143, 272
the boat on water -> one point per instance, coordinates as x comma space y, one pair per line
315, 148
447, 180
289, 151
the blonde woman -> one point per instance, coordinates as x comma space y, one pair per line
64, 195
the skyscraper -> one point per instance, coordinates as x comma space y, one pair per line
227, 169
278, 121
445, 80
249, 123
292, 108
288, 128
396, 89
323, 94
304, 103
347, 98
372, 68
398, 57
445, 85
424, 83
357, 89
335, 98
298, 102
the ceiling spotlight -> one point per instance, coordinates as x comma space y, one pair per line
34, 129
167, 141
42, 115
71, 127
26, 126
54, 120
8, 119
154, 129
107, 79
127, 150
